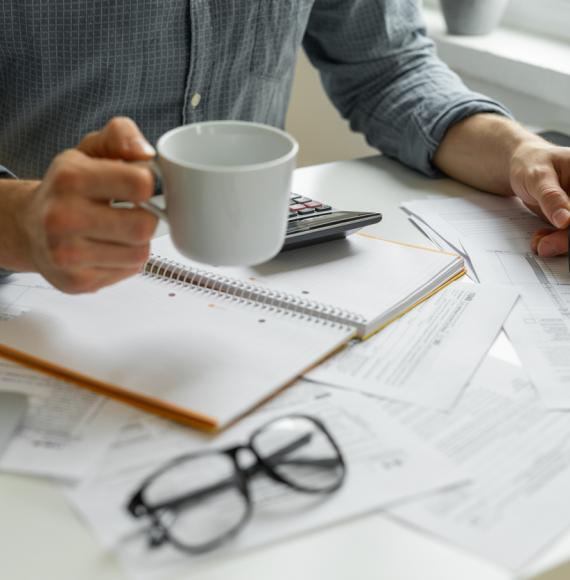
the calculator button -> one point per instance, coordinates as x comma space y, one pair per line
313, 204
306, 211
303, 199
323, 208
296, 207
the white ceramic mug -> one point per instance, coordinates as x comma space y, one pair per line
226, 187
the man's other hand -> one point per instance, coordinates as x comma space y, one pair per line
496, 154
540, 177
75, 239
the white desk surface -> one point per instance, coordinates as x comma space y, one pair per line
42, 538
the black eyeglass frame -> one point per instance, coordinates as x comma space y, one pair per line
159, 533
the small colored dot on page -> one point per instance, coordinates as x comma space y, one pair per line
172, 294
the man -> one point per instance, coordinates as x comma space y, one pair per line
67, 66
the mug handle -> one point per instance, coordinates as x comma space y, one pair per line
150, 205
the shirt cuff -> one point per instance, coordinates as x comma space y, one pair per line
6, 173
420, 152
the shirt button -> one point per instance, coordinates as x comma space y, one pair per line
195, 101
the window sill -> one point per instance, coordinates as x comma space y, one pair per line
523, 62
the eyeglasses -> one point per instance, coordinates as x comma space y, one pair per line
196, 502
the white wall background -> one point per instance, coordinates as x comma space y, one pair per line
528, 110
322, 134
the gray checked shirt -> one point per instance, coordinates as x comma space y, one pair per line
68, 66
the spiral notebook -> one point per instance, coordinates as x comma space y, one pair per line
204, 346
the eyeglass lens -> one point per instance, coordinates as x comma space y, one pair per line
301, 453
201, 497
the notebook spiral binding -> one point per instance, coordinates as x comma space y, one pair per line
233, 289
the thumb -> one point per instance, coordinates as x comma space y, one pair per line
552, 199
119, 139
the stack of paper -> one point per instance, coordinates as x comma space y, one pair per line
494, 234
66, 430
518, 452
484, 476
386, 464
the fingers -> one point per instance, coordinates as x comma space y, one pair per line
80, 243
119, 139
74, 173
82, 234
548, 243
75, 263
537, 236
540, 177
78, 282
81, 254
76, 239
132, 227
544, 183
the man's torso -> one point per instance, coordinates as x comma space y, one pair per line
68, 66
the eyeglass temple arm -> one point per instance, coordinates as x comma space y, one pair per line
199, 494
324, 462
275, 458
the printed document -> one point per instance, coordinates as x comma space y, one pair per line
539, 326
518, 502
428, 356
66, 429
493, 222
385, 464
495, 233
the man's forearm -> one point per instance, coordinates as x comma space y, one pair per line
14, 201
478, 151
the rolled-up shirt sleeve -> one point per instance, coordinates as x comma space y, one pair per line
382, 73
5, 174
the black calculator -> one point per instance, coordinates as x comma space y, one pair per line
312, 222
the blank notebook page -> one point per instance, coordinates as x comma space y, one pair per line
187, 347
360, 274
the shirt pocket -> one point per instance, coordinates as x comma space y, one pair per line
279, 29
